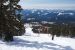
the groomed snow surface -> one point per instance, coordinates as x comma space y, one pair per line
38, 42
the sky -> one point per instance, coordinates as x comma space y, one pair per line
52, 4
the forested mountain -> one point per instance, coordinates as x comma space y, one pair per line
55, 22
39, 15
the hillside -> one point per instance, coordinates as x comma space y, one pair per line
38, 42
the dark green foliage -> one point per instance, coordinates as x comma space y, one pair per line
66, 30
72, 34
0, 35
10, 25
8, 36
35, 29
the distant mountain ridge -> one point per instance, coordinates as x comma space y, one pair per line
39, 15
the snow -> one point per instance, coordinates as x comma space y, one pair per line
31, 19
65, 13
41, 42
6, 3
44, 22
38, 13
28, 31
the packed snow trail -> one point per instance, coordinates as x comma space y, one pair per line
43, 42
35, 42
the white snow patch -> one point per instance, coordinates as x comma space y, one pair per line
65, 13
41, 42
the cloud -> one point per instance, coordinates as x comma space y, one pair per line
29, 4
52, 6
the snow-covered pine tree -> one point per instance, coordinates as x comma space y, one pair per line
10, 25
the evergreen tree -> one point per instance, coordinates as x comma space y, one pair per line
10, 25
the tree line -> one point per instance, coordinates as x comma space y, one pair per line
66, 30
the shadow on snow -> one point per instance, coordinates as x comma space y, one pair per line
24, 43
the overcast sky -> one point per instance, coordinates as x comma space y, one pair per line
52, 4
